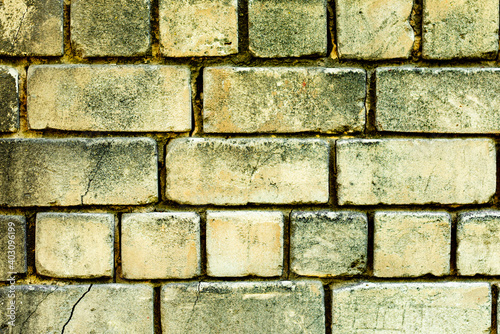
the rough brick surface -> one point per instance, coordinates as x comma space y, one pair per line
160, 245
415, 171
66, 172
198, 28
460, 29
72, 309
243, 307
12, 247
431, 308
478, 238
287, 28
411, 244
446, 100
101, 28
241, 171
328, 244
75, 245
31, 28
243, 243
374, 29
283, 99
109, 98
9, 99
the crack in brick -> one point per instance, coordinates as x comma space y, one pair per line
94, 172
198, 291
19, 29
73, 309
36, 307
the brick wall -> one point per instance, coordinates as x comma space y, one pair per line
249, 166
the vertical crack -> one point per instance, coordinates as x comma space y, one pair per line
94, 171
198, 291
73, 309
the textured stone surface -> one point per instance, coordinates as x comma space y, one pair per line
374, 29
66, 172
160, 245
241, 171
9, 99
243, 307
411, 244
283, 99
75, 245
109, 98
109, 308
446, 100
198, 28
287, 28
328, 244
101, 28
430, 308
12, 247
478, 239
243, 243
415, 171
31, 27
460, 29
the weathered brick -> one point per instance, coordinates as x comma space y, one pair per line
241, 171
243, 307
411, 244
66, 172
283, 99
9, 99
31, 28
198, 28
478, 238
109, 98
101, 28
243, 243
431, 308
160, 245
460, 29
328, 244
108, 308
83, 248
446, 100
12, 247
415, 171
373, 29
287, 28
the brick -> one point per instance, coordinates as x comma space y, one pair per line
12, 247
460, 29
83, 248
409, 244
433, 308
326, 244
109, 98
243, 307
243, 243
31, 28
439, 100
415, 171
386, 31
9, 99
67, 172
241, 171
71, 309
287, 28
160, 245
478, 238
283, 99
118, 28
198, 28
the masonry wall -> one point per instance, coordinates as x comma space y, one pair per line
249, 166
